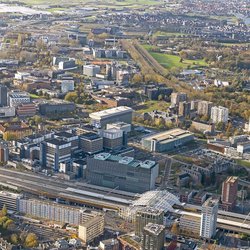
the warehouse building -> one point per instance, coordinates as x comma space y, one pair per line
167, 140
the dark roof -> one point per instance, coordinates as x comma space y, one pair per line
90, 136
64, 134
56, 141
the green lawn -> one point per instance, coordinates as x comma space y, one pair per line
34, 96
162, 33
170, 61
243, 163
153, 105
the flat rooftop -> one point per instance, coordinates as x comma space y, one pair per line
154, 228
110, 112
126, 160
168, 135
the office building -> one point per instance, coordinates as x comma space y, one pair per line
91, 70
145, 216
110, 244
53, 152
204, 108
209, 213
229, 193
7, 112
124, 173
119, 114
120, 125
10, 200
54, 109
16, 98
55, 212
91, 229
4, 152
67, 85
190, 225
113, 139
176, 98
219, 114
26, 109
3, 96
153, 237
91, 143
167, 140
68, 137
184, 109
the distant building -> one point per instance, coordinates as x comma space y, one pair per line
91, 70
110, 244
120, 114
204, 108
26, 109
145, 216
219, 114
53, 152
53, 109
67, 85
10, 200
168, 140
203, 127
7, 112
91, 229
153, 237
153, 92
184, 109
120, 125
113, 138
91, 143
55, 212
229, 193
71, 64
190, 225
124, 173
209, 213
176, 98
4, 152
3, 96
16, 98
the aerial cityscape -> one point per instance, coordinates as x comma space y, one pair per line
125, 124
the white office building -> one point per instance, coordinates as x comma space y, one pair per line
15, 98
91, 70
67, 85
209, 213
219, 114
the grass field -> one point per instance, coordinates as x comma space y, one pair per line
101, 3
169, 34
170, 61
243, 163
153, 105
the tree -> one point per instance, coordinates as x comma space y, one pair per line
14, 239
174, 229
31, 240
4, 210
7, 223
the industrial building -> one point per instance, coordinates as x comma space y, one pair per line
167, 140
124, 173
119, 114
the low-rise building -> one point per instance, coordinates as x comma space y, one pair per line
168, 140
